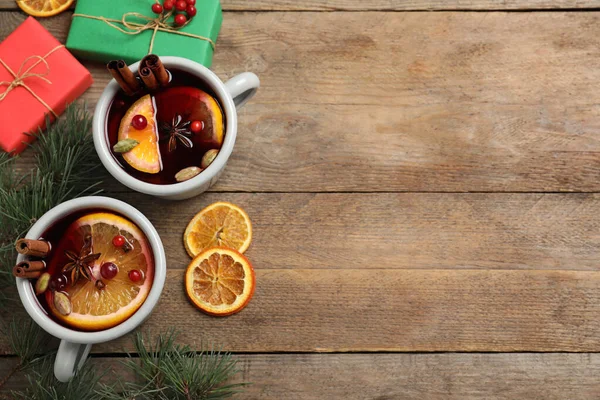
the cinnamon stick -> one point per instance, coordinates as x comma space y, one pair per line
32, 265
34, 248
148, 78
155, 64
21, 273
114, 71
128, 76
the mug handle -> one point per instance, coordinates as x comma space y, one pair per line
242, 87
69, 359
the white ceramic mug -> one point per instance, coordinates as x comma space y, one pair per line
231, 95
75, 345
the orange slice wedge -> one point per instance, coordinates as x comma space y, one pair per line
145, 156
220, 224
220, 281
44, 8
93, 308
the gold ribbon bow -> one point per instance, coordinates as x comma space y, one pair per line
155, 24
21, 75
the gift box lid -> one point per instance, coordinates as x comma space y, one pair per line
58, 81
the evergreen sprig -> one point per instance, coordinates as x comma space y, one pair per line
169, 371
64, 162
162, 369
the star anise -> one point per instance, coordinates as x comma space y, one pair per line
80, 263
176, 130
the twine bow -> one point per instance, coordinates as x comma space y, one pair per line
22, 74
155, 24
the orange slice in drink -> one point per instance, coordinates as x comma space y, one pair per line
220, 281
145, 156
95, 306
44, 8
220, 224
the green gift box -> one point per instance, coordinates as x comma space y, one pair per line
127, 30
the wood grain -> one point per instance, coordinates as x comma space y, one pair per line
445, 102
404, 376
400, 231
389, 5
354, 310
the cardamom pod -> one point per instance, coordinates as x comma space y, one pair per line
125, 145
208, 158
62, 303
42, 283
187, 173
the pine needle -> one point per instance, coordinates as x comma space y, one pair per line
176, 372
65, 160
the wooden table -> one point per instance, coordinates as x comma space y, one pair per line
424, 192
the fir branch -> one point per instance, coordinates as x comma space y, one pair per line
24, 338
65, 160
171, 371
44, 386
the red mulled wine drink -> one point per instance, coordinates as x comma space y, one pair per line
166, 133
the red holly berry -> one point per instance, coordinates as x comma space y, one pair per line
118, 241
180, 19
135, 275
139, 122
191, 11
191, 2
197, 126
181, 5
157, 8
109, 270
169, 4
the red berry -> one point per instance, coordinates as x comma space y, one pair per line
181, 5
58, 282
118, 241
169, 4
139, 122
197, 126
157, 8
109, 270
180, 19
135, 275
191, 11
191, 2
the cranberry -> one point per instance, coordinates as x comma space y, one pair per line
157, 8
118, 241
191, 11
139, 122
135, 275
109, 270
58, 282
169, 4
181, 5
191, 2
180, 19
197, 126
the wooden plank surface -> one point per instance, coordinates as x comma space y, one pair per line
438, 102
405, 376
400, 231
389, 5
355, 310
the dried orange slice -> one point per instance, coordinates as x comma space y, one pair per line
101, 306
44, 8
220, 224
220, 281
145, 156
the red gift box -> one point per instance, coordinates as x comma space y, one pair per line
56, 82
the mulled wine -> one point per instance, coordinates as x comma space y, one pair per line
98, 271
165, 133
